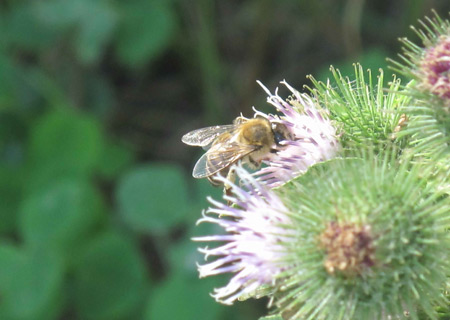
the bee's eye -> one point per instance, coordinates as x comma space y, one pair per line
278, 137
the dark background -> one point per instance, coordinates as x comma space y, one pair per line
97, 205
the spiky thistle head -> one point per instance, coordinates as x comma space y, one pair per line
428, 65
350, 239
380, 227
365, 111
435, 68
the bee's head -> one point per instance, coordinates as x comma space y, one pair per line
280, 132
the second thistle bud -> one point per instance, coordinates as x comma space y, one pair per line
435, 68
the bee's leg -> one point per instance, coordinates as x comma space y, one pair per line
253, 164
231, 176
240, 119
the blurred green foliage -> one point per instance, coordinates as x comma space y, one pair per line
96, 205
139, 195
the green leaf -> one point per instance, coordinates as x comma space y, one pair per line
274, 317
8, 74
61, 215
8, 206
60, 14
63, 144
153, 198
182, 297
146, 31
26, 29
13, 133
115, 159
110, 279
67, 139
96, 27
101, 94
30, 282
93, 20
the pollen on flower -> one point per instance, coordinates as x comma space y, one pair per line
349, 248
435, 68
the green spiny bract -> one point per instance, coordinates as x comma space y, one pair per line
391, 215
366, 112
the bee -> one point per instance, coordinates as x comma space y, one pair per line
248, 141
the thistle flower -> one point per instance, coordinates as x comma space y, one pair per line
429, 66
313, 137
254, 221
350, 239
435, 68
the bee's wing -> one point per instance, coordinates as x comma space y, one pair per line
219, 157
205, 136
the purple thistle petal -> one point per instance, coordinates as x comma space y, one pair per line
434, 69
314, 138
252, 248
